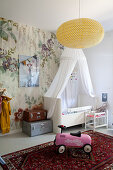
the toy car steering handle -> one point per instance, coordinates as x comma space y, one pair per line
62, 127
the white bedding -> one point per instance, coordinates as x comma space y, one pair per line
77, 110
75, 116
66, 119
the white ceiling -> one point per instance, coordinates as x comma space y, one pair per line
50, 14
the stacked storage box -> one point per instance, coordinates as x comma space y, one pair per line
37, 128
35, 122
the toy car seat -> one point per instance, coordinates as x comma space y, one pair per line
78, 134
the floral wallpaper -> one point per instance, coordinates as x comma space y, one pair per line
17, 39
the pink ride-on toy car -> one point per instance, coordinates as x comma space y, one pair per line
76, 140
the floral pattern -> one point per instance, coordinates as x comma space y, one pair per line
10, 64
30, 101
17, 39
6, 30
45, 156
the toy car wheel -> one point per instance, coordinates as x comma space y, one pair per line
87, 148
61, 149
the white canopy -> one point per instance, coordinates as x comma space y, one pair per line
69, 60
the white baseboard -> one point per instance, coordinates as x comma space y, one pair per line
12, 132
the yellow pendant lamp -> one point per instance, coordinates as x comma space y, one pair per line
80, 33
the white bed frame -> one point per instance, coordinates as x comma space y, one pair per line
67, 120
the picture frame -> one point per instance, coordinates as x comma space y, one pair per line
29, 71
104, 97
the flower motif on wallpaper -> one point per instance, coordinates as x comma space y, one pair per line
50, 43
7, 53
3, 53
30, 100
47, 51
7, 62
61, 46
11, 64
47, 48
6, 30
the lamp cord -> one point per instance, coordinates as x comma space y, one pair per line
79, 8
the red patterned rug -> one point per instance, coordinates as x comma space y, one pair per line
45, 157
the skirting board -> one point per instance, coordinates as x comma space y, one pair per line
12, 132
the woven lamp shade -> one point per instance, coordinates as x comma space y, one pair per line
80, 33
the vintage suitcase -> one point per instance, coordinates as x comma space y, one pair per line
37, 128
34, 115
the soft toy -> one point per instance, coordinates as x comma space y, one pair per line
19, 115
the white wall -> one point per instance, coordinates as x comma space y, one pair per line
100, 62
50, 14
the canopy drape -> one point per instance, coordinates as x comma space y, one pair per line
69, 60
